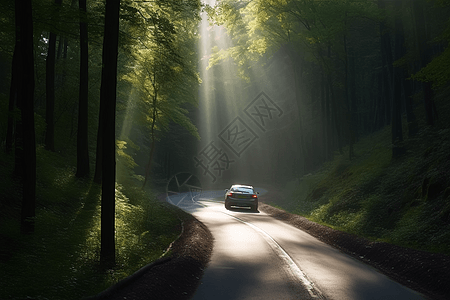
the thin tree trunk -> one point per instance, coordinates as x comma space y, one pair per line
382, 104
82, 132
387, 64
50, 91
303, 156
60, 46
330, 144
425, 57
352, 105
397, 134
324, 107
108, 101
24, 29
50, 94
413, 126
99, 151
148, 167
334, 116
152, 149
12, 102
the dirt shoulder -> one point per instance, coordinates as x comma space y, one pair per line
427, 273
173, 277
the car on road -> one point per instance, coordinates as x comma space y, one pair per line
241, 195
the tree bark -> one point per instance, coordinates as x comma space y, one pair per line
99, 149
352, 104
387, 64
413, 126
297, 74
152, 149
425, 57
397, 134
329, 128
324, 118
50, 94
50, 91
82, 132
24, 31
108, 102
10, 131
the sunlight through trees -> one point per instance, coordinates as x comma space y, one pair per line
120, 95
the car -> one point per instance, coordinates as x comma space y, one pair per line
241, 195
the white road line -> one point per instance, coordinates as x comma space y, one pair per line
314, 292
296, 271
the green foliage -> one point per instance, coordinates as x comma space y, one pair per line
404, 202
128, 161
162, 73
306, 27
61, 259
437, 71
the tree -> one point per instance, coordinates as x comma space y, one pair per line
163, 74
397, 134
425, 57
433, 74
311, 31
25, 97
12, 101
108, 112
50, 88
82, 132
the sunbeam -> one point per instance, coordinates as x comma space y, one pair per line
246, 128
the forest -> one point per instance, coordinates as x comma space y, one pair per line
103, 102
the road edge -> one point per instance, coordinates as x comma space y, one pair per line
175, 276
426, 273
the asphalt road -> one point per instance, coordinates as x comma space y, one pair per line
258, 257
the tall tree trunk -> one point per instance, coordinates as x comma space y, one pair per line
50, 94
99, 149
352, 105
425, 57
381, 108
302, 156
82, 132
409, 107
334, 116
24, 30
329, 128
152, 149
397, 134
303, 149
50, 91
60, 46
108, 102
324, 119
10, 131
148, 167
387, 63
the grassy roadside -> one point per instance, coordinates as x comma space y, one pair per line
404, 201
60, 260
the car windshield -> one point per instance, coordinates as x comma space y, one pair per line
241, 189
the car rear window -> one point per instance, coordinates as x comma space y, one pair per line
242, 190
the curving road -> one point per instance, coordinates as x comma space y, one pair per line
258, 257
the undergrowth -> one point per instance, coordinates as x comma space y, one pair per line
403, 201
60, 260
